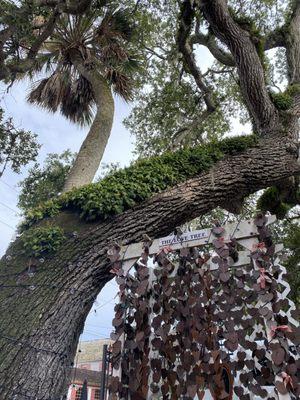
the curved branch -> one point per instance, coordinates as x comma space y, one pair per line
9, 70
275, 39
209, 41
249, 65
185, 26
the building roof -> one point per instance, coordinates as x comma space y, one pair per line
91, 350
78, 375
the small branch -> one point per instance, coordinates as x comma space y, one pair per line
180, 135
154, 53
186, 20
4, 36
221, 71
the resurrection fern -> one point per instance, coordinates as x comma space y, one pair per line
283, 101
41, 241
271, 200
127, 187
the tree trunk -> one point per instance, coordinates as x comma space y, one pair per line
40, 328
91, 152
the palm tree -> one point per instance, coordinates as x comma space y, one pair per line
87, 58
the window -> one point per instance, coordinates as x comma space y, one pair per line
78, 394
97, 394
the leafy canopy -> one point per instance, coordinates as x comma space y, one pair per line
17, 146
170, 110
46, 181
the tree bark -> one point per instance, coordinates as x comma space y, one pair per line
248, 63
92, 149
40, 328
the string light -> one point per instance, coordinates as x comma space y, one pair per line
31, 287
8, 185
9, 226
8, 207
24, 344
28, 396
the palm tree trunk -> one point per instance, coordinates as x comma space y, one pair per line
90, 154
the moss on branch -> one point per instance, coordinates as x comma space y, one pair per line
284, 101
130, 186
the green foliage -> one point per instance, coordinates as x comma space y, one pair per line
17, 146
42, 241
271, 201
45, 182
127, 187
293, 89
283, 101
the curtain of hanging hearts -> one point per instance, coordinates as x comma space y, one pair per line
183, 327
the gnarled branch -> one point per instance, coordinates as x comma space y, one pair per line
10, 69
249, 65
209, 41
186, 20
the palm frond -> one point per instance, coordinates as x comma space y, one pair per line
123, 24
116, 25
122, 84
113, 53
50, 92
77, 104
101, 45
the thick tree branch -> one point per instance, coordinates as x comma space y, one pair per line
275, 39
292, 37
10, 69
249, 65
293, 45
186, 20
209, 41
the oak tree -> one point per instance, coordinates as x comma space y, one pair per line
44, 312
